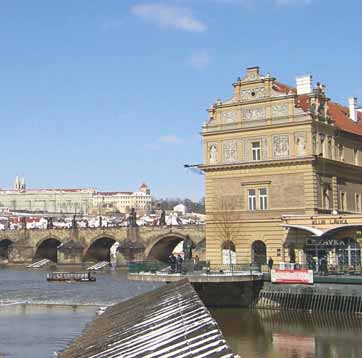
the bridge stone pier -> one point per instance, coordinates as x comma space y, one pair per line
81, 245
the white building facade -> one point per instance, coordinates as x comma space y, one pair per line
72, 201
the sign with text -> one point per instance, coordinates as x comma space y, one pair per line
292, 276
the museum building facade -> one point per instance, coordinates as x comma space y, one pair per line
283, 175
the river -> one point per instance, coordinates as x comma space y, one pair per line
38, 318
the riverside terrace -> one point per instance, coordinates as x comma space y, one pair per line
246, 286
238, 287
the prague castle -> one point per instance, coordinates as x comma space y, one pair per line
72, 201
280, 162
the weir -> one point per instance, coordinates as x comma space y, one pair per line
320, 297
170, 321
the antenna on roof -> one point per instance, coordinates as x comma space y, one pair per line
193, 169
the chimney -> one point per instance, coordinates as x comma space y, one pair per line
352, 104
304, 84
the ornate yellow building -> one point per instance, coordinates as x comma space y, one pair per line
275, 158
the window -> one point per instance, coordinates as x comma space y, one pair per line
343, 201
255, 147
358, 202
251, 199
355, 156
341, 155
329, 148
321, 145
326, 199
314, 144
263, 202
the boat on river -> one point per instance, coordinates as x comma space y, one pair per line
89, 276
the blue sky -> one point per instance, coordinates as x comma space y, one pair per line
108, 94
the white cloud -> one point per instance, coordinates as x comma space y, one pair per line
170, 139
169, 16
199, 60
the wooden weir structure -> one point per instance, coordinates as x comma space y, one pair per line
309, 301
168, 322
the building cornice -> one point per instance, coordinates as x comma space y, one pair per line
257, 164
254, 128
336, 163
240, 103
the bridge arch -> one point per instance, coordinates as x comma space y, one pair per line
4, 248
98, 249
162, 246
47, 248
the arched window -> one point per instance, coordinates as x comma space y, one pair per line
228, 252
258, 252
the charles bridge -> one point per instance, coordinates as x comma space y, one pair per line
80, 245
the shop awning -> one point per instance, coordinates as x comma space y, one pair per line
312, 230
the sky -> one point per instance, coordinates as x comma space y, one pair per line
110, 94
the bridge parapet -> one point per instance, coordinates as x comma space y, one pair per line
26, 244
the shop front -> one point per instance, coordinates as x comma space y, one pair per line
342, 254
326, 250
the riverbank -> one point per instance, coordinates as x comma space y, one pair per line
251, 333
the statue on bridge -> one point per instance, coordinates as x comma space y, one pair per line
187, 247
113, 254
74, 222
23, 222
162, 221
132, 218
50, 223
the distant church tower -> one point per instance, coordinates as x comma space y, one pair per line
144, 189
22, 185
17, 184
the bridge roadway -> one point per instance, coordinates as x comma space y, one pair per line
76, 246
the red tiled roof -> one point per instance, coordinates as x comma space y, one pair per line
338, 113
105, 193
283, 88
51, 190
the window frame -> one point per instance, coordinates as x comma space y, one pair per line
256, 151
263, 199
358, 202
251, 199
343, 201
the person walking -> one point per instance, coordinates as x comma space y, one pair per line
172, 262
270, 263
179, 261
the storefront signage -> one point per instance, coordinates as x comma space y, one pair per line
292, 276
333, 243
329, 243
329, 221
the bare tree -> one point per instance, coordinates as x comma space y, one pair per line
224, 217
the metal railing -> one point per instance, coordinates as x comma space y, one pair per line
146, 266
191, 267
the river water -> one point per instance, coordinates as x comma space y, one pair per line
38, 318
